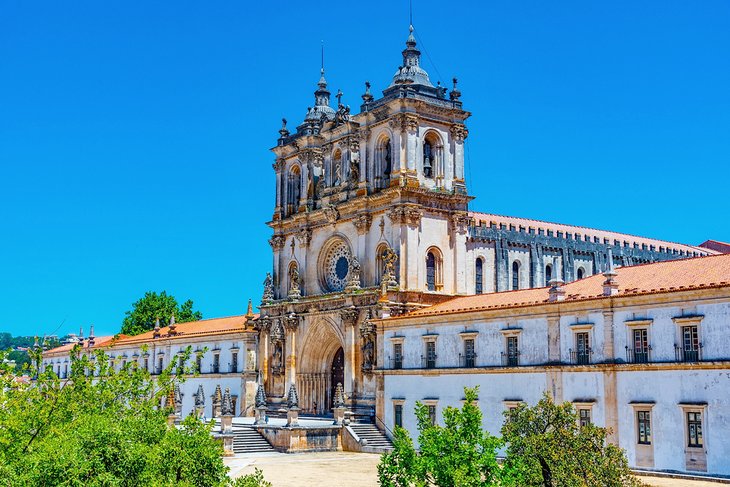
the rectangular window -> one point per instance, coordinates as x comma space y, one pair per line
398, 413
180, 365
690, 343
513, 352
65, 370
643, 422
694, 429
397, 355
584, 417
216, 363
146, 364
583, 348
641, 346
159, 365
430, 355
469, 353
432, 413
198, 363
234, 362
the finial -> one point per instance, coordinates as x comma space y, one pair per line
81, 333
367, 97
156, 331
171, 330
610, 285
249, 311
455, 93
339, 98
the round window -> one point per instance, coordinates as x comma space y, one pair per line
336, 266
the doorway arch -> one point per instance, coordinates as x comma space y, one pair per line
321, 367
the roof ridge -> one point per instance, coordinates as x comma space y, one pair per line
591, 228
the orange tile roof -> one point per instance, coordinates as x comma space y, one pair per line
212, 326
99, 342
669, 276
487, 218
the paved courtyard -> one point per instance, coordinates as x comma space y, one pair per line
337, 469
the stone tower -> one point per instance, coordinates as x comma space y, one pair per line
370, 218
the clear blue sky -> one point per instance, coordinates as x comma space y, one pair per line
134, 136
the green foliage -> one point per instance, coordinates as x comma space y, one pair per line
105, 428
547, 447
152, 306
460, 453
255, 479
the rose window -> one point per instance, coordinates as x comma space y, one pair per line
336, 266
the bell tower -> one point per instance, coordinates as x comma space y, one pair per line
370, 218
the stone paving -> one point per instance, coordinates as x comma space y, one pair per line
338, 469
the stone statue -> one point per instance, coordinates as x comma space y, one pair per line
354, 171
277, 358
268, 289
353, 283
294, 290
368, 354
337, 166
389, 259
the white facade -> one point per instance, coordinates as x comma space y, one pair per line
226, 359
671, 385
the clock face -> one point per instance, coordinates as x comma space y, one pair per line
336, 266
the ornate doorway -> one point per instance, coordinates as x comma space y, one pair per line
337, 374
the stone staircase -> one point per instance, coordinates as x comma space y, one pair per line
248, 440
376, 441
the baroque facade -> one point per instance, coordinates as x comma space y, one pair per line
372, 213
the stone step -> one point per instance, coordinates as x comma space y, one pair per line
248, 440
375, 440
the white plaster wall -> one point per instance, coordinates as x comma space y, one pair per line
667, 389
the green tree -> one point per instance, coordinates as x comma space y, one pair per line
102, 427
547, 447
152, 306
460, 453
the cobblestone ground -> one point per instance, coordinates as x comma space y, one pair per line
345, 469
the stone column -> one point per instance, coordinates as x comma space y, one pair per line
460, 224
291, 323
349, 317
278, 167
553, 338
608, 337
458, 135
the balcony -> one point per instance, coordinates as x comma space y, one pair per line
581, 357
688, 353
638, 356
468, 361
396, 362
511, 359
428, 362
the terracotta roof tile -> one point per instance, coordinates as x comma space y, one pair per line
212, 326
99, 342
669, 276
487, 218
717, 246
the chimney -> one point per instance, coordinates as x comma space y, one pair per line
557, 291
171, 330
610, 285
156, 331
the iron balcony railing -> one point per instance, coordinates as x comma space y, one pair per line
638, 356
511, 359
396, 362
688, 353
581, 357
468, 360
428, 361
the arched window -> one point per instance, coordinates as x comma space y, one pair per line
580, 273
479, 277
433, 157
434, 276
294, 190
515, 275
428, 159
383, 164
548, 274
